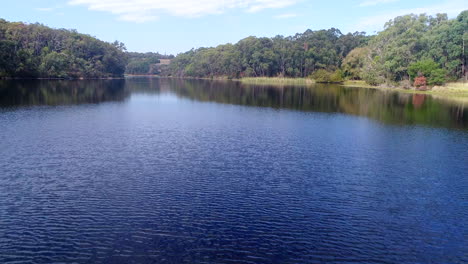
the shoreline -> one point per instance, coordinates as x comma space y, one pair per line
453, 90
60, 79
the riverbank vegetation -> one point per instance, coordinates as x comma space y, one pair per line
430, 49
293, 57
449, 89
37, 51
412, 51
277, 81
148, 63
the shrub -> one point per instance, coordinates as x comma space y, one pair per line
429, 68
373, 78
420, 83
437, 77
405, 84
324, 76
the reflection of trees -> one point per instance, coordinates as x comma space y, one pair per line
60, 92
418, 100
389, 107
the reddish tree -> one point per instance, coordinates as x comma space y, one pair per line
420, 83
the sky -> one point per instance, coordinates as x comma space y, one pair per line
174, 26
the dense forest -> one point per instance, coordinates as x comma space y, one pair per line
412, 49
145, 63
294, 56
432, 47
34, 50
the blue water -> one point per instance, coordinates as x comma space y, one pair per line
160, 178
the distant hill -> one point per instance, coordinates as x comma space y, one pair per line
38, 51
410, 46
147, 63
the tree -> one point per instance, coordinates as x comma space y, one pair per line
353, 64
34, 50
420, 83
429, 68
55, 65
324, 76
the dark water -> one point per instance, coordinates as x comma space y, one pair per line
171, 171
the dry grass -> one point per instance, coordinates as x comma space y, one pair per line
278, 81
454, 89
361, 84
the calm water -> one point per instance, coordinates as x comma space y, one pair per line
171, 171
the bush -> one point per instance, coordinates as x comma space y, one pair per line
405, 84
55, 65
420, 83
373, 78
429, 68
437, 77
324, 76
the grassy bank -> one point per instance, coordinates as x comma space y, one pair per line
449, 90
277, 81
452, 87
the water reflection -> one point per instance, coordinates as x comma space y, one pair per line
60, 92
385, 106
388, 107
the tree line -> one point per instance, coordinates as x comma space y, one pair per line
145, 63
412, 49
408, 47
293, 56
37, 51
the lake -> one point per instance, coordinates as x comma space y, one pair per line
148, 170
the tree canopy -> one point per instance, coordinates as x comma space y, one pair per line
34, 50
391, 56
294, 56
145, 63
409, 46
413, 43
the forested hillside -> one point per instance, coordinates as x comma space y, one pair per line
144, 63
409, 46
412, 45
294, 56
34, 50
431, 48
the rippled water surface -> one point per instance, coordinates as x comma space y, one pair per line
171, 171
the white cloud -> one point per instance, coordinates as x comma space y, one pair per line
148, 10
376, 22
376, 2
287, 15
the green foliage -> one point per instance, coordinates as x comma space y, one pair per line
409, 44
7, 58
145, 63
353, 64
54, 65
437, 77
385, 58
430, 69
34, 50
324, 76
433, 45
294, 56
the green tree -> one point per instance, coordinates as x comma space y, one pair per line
430, 69
55, 65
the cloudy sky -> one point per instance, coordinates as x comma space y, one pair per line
173, 26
